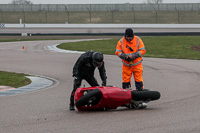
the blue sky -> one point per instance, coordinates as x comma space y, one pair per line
98, 1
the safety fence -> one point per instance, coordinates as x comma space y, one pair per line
101, 7
101, 14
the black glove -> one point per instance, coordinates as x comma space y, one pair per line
123, 56
136, 55
128, 59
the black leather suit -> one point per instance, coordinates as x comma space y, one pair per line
84, 69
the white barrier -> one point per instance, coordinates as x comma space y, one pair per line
101, 25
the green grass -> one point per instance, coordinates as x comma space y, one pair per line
13, 79
105, 46
101, 17
156, 46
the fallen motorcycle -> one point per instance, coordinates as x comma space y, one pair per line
111, 97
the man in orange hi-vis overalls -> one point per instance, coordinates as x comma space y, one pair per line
130, 49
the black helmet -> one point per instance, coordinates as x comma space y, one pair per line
97, 59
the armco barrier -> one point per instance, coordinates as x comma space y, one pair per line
100, 25
100, 29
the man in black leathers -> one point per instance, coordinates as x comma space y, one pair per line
84, 69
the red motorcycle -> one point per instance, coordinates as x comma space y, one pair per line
111, 97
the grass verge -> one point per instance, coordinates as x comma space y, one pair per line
156, 46
13, 79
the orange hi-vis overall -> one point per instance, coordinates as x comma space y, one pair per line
131, 67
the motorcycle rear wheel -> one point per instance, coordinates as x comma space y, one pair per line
145, 95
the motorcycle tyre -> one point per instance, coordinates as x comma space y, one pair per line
145, 95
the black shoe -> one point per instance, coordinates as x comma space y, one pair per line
71, 107
139, 89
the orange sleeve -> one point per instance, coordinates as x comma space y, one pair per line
118, 48
141, 48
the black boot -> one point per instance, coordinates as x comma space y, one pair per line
126, 85
139, 86
71, 105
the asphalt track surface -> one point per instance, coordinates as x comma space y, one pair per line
46, 110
